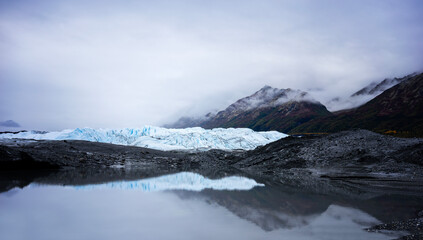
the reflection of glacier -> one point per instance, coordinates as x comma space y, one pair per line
179, 181
162, 138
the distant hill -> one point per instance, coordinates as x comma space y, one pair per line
9, 123
398, 109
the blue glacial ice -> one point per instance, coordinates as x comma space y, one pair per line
162, 138
178, 181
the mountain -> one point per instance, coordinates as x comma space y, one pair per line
268, 108
377, 88
9, 123
398, 109
161, 138
391, 106
187, 122
365, 94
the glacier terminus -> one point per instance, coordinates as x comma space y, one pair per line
159, 138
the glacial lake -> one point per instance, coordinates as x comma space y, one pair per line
190, 206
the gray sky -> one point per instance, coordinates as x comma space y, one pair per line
67, 64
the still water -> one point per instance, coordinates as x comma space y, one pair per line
187, 206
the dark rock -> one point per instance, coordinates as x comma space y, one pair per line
13, 159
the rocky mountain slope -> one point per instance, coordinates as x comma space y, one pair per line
268, 108
397, 110
392, 106
365, 94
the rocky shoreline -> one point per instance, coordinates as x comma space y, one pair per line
355, 164
414, 226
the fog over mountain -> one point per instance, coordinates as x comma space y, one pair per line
69, 64
365, 94
270, 97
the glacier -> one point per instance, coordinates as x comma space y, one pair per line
159, 138
179, 181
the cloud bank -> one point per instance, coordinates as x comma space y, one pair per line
68, 64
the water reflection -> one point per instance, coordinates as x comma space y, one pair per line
110, 211
179, 181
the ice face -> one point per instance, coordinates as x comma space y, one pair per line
180, 181
163, 138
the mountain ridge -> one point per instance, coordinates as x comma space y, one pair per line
259, 111
395, 108
398, 110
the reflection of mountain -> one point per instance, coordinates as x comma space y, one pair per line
290, 206
111, 214
272, 208
288, 203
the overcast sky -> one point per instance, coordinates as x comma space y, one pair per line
113, 64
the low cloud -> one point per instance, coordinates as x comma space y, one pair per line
106, 64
